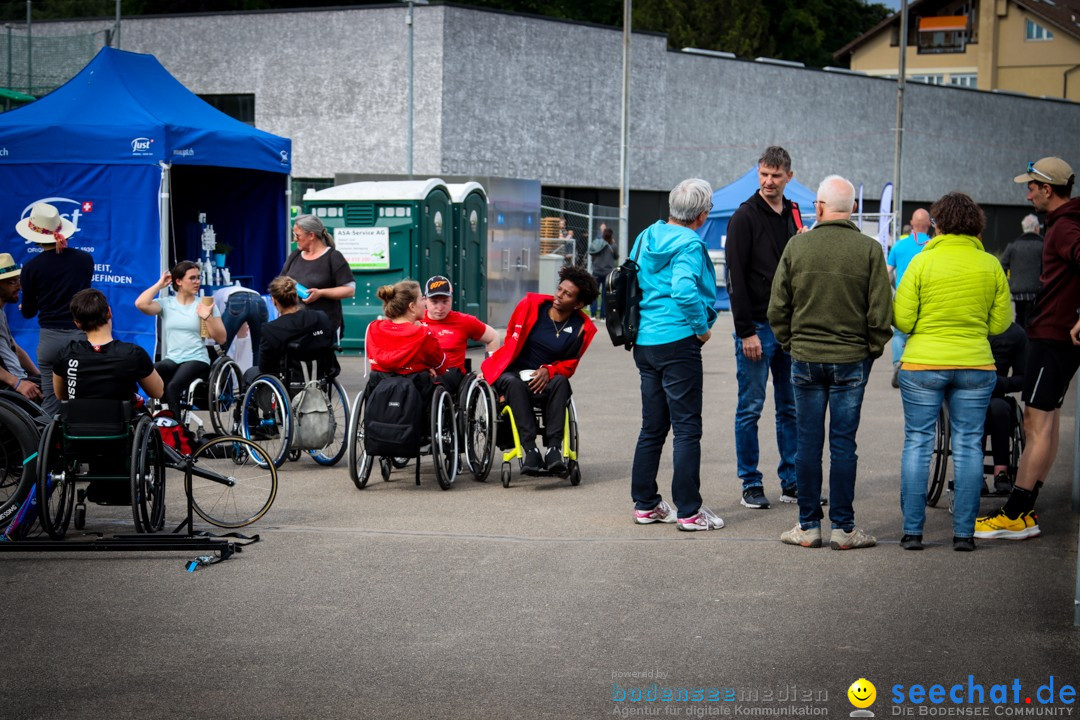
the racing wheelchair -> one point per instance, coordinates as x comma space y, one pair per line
119, 451
266, 412
21, 423
942, 451
509, 440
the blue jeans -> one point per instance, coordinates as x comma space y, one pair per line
752, 378
838, 387
899, 342
671, 385
240, 308
967, 393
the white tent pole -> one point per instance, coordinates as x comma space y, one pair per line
164, 201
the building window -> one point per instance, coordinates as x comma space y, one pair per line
1035, 31
928, 79
943, 34
968, 80
240, 107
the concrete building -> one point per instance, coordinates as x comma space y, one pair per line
499, 94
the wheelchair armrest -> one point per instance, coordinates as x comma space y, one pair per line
96, 418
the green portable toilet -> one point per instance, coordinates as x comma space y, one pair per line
469, 273
388, 231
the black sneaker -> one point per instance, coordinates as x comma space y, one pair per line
553, 461
755, 498
530, 465
963, 544
1002, 484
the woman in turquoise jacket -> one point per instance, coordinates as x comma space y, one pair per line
952, 297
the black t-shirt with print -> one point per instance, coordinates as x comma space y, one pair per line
107, 372
548, 341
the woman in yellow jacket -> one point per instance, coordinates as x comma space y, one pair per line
952, 297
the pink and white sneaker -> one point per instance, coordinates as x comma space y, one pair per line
705, 519
661, 513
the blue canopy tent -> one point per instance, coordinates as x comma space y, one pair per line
132, 157
726, 201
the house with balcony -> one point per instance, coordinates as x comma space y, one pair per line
1024, 46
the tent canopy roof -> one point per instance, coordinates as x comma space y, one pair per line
125, 108
383, 190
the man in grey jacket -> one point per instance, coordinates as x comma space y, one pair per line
831, 308
604, 254
1022, 261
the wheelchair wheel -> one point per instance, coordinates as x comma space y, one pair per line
478, 429
939, 459
338, 401
266, 419
55, 484
359, 460
506, 474
385, 466
571, 457
444, 446
229, 487
19, 439
147, 478
1017, 441
225, 395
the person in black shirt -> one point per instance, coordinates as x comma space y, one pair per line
100, 367
49, 280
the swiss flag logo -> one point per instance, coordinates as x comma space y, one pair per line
88, 206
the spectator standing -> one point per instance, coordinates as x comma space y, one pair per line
320, 270
17, 370
49, 281
757, 234
954, 294
831, 308
678, 290
900, 256
605, 254
1022, 261
1053, 336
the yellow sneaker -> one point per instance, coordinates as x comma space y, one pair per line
999, 525
1032, 522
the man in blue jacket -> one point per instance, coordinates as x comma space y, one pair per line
678, 286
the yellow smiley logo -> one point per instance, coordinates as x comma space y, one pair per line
862, 693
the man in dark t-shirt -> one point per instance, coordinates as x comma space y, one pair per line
100, 367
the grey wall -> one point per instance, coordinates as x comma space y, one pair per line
506, 95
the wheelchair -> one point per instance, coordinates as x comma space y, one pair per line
442, 430
509, 441
21, 423
265, 415
939, 464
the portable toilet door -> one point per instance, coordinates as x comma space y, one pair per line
387, 231
470, 248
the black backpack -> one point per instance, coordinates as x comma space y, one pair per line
393, 418
623, 297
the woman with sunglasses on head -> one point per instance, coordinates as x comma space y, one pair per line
185, 357
321, 272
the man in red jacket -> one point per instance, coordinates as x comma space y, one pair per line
546, 337
1053, 356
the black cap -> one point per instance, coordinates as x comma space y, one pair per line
438, 285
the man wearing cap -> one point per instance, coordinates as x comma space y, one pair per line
49, 281
453, 330
16, 367
1053, 339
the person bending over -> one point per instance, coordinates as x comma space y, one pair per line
545, 340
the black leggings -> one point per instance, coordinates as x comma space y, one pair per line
178, 377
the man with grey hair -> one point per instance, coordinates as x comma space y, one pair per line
1022, 261
757, 234
831, 308
678, 291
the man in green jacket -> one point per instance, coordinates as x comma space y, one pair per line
831, 309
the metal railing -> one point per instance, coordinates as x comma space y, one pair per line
573, 223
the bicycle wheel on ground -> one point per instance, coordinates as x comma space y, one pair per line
147, 477
333, 451
55, 483
359, 460
478, 429
444, 445
225, 395
939, 459
228, 486
266, 419
18, 445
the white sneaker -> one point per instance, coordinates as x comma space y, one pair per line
704, 519
661, 513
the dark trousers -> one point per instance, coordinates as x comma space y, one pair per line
671, 392
178, 377
240, 308
999, 429
600, 299
552, 401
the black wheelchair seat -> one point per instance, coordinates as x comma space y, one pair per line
96, 419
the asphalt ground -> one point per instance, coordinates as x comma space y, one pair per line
546, 601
